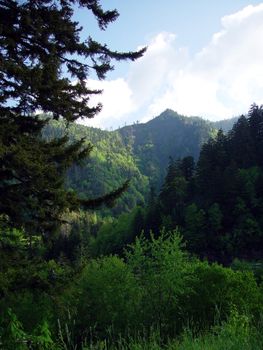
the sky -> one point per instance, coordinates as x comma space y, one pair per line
204, 58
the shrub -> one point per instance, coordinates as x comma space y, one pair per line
109, 297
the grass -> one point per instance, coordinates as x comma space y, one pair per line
236, 334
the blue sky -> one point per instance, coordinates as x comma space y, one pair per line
204, 58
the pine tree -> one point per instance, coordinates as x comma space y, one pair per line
173, 193
255, 120
187, 167
41, 53
241, 143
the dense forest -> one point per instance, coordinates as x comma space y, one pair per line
138, 152
183, 264
215, 202
146, 237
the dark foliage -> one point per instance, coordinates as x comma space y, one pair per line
41, 51
169, 134
219, 204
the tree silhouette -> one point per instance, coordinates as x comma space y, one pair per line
44, 66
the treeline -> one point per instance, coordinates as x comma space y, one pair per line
109, 165
137, 152
67, 282
169, 134
131, 283
156, 293
216, 203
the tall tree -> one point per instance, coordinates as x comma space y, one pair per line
187, 167
41, 54
255, 120
241, 143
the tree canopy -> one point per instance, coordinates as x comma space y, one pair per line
218, 203
44, 66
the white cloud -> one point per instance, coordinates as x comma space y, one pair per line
116, 100
220, 81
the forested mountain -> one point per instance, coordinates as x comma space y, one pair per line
136, 267
217, 201
168, 135
110, 164
194, 194
139, 152
225, 124
162, 268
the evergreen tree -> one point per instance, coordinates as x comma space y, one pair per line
194, 229
41, 52
187, 167
174, 191
152, 217
210, 167
255, 121
168, 191
241, 143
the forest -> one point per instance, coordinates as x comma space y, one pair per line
149, 237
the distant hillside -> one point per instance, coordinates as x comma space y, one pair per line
140, 152
110, 164
225, 124
168, 135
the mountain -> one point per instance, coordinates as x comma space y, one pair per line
110, 164
226, 124
218, 207
140, 152
168, 135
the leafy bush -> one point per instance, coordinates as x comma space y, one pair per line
109, 297
215, 290
13, 336
162, 270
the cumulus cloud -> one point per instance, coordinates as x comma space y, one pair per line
220, 81
117, 103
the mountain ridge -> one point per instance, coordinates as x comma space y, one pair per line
139, 151
168, 113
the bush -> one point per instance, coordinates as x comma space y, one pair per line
162, 272
109, 297
215, 290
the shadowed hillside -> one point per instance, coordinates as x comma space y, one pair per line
168, 135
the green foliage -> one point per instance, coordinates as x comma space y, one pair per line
194, 226
160, 267
215, 217
109, 297
156, 289
215, 290
11, 239
42, 338
137, 152
237, 333
110, 164
51, 295
114, 236
256, 267
218, 204
41, 52
12, 335
168, 135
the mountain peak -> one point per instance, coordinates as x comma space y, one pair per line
167, 114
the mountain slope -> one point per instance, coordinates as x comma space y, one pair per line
140, 152
110, 164
226, 124
168, 135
